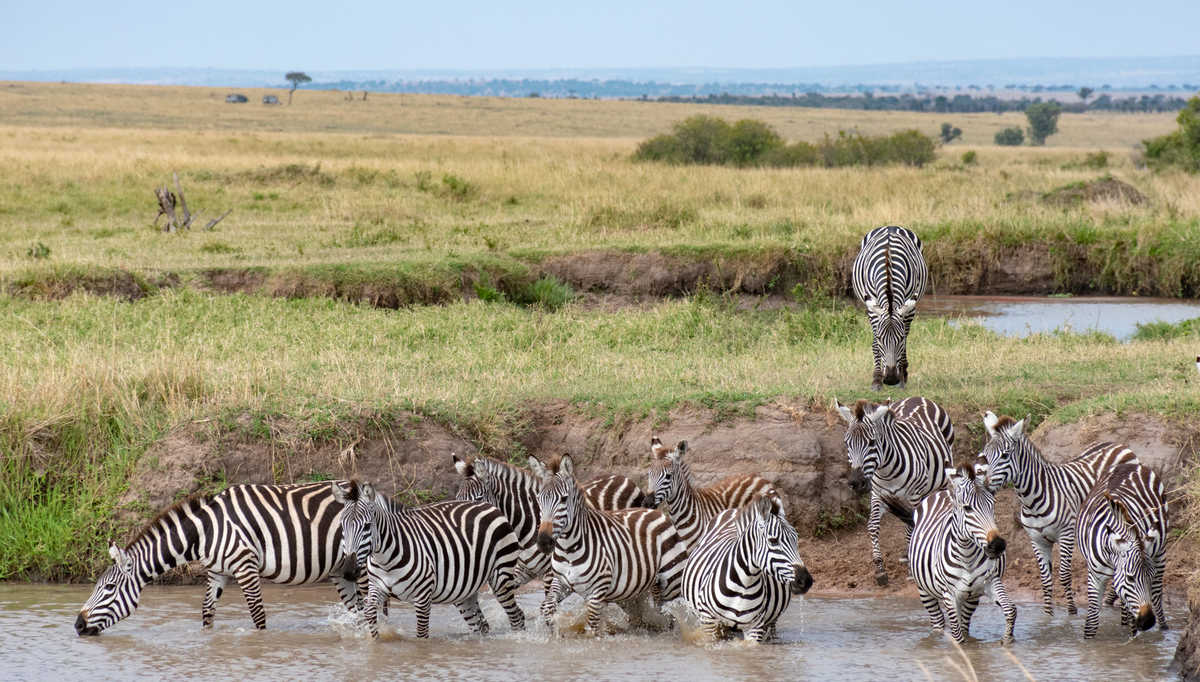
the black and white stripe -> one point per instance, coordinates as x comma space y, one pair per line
284, 533
1050, 494
1121, 533
439, 553
956, 555
693, 508
889, 276
900, 452
605, 556
743, 570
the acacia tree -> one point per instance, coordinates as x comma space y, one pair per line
296, 78
1085, 93
1043, 121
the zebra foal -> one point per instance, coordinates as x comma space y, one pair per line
900, 452
284, 533
744, 569
956, 555
439, 553
605, 556
889, 276
1121, 533
1050, 494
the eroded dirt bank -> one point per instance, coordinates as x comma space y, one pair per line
801, 450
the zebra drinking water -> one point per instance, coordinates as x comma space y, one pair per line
692, 508
956, 555
743, 571
1050, 494
284, 533
889, 276
434, 554
605, 556
1121, 533
900, 452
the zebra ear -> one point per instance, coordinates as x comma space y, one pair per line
1017, 429
464, 469
566, 466
657, 449
878, 412
339, 493
846, 413
538, 469
120, 557
765, 504
680, 450
873, 307
989, 422
907, 307
366, 491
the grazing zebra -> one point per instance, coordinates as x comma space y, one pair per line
692, 508
284, 533
605, 556
1121, 532
743, 570
1050, 494
956, 555
889, 276
901, 452
434, 554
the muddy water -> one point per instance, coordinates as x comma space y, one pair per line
311, 637
1024, 315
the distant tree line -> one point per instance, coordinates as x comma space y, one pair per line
958, 104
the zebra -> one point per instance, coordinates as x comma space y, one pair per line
889, 276
1050, 494
692, 509
900, 452
605, 556
744, 569
284, 533
1121, 532
956, 555
434, 554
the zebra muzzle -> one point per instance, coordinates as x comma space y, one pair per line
545, 537
857, 482
995, 546
1145, 618
802, 581
83, 630
348, 567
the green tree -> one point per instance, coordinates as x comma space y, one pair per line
1084, 93
1010, 137
1043, 121
296, 78
950, 133
1181, 147
750, 140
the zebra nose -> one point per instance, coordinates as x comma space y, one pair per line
82, 629
350, 567
545, 538
891, 376
995, 545
802, 581
1145, 618
857, 482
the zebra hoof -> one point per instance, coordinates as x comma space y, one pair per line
881, 579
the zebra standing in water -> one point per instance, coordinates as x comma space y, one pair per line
434, 554
514, 491
692, 508
889, 277
1050, 494
284, 533
743, 570
956, 555
606, 556
901, 452
1121, 532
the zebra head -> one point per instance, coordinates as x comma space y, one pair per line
1007, 443
667, 476
116, 594
773, 544
476, 485
361, 505
559, 499
890, 325
861, 443
1131, 569
974, 516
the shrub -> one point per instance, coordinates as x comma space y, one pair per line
908, 147
795, 154
1180, 148
458, 189
1010, 137
38, 251
749, 140
703, 139
950, 133
968, 157
1043, 121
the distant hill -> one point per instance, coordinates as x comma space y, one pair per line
1165, 74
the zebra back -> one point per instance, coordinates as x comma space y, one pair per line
911, 452
613, 491
889, 271
514, 491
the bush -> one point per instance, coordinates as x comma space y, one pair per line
1180, 148
703, 139
1043, 121
1010, 137
950, 133
749, 140
908, 147
969, 158
792, 155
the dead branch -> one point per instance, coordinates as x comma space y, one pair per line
167, 202
213, 223
187, 215
166, 206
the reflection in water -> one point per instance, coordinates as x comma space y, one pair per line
1024, 315
311, 636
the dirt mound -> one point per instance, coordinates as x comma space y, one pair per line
1158, 443
1106, 188
55, 285
659, 274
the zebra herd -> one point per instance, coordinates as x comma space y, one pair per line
728, 550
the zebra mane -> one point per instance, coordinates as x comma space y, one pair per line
493, 466
193, 501
1120, 473
1003, 421
860, 408
352, 491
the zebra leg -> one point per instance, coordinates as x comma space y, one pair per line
216, 585
251, 584
422, 605
506, 594
1000, 595
873, 520
966, 611
1043, 550
595, 607
1066, 548
758, 634
1095, 589
950, 605
558, 592
469, 608
1110, 595
712, 627
376, 599
348, 593
877, 376
1156, 592
937, 620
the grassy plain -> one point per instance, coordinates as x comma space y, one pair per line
430, 184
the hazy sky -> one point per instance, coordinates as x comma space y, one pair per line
469, 34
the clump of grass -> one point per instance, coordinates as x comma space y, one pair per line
290, 173
218, 247
1166, 331
546, 292
458, 189
38, 251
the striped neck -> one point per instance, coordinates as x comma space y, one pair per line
1030, 468
172, 539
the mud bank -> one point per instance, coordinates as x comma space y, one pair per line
799, 449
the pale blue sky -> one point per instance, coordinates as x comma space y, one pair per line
467, 34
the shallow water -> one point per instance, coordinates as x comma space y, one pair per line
1025, 315
310, 636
